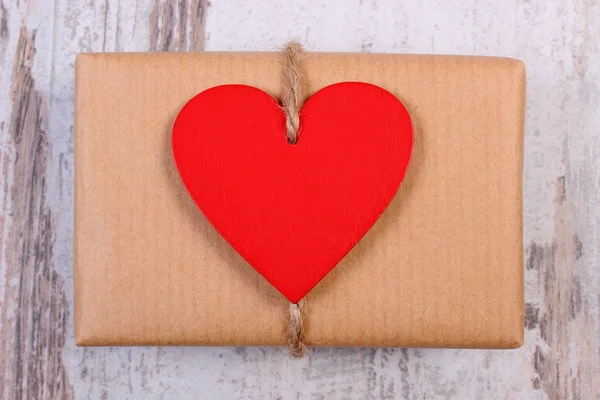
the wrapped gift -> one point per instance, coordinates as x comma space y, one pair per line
441, 267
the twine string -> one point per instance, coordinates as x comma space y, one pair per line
291, 102
296, 329
292, 91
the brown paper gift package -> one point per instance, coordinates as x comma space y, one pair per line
442, 267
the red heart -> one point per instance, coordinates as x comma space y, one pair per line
293, 211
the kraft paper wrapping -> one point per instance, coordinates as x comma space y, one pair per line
443, 266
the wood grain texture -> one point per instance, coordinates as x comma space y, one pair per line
557, 39
35, 310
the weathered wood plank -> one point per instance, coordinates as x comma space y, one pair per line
557, 39
35, 309
178, 25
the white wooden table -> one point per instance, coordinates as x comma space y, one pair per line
559, 40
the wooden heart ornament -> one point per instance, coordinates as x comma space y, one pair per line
293, 211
